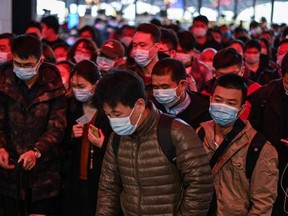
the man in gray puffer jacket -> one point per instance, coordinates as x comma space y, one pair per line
140, 179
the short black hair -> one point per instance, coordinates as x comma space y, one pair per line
240, 42
201, 18
152, 29
232, 81
89, 29
253, 43
51, 22
119, 86
170, 66
86, 69
26, 46
186, 40
227, 57
284, 65
169, 37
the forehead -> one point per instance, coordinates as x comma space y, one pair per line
77, 79
228, 70
227, 93
163, 46
142, 37
251, 49
31, 59
119, 108
199, 23
33, 30
163, 79
4, 42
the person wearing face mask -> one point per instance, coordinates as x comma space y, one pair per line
189, 56
269, 116
33, 121
281, 52
111, 56
140, 166
207, 56
257, 69
230, 61
227, 140
126, 34
145, 46
6, 40
170, 93
199, 29
87, 135
82, 49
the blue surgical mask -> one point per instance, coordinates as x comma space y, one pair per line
167, 97
223, 114
82, 95
184, 58
141, 57
105, 64
122, 126
25, 73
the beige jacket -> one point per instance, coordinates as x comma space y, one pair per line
235, 193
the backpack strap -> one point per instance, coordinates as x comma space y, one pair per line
201, 134
237, 128
164, 136
115, 144
253, 153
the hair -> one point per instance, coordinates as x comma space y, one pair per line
51, 22
226, 58
86, 69
48, 54
61, 45
267, 45
26, 46
232, 81
201, 18
89, 29
169, 37
284, 65
67, 64
34, 24
253, 43
88, 44
186, 40
119, 86
240, 42
151, 29
8, 36
170, 66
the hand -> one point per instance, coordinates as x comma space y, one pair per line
29, 160
4, 160
97, 141
77, 130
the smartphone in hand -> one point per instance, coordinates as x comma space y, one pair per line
94, 131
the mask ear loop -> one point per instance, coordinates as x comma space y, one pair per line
283, 189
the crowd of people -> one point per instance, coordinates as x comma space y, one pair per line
150, 119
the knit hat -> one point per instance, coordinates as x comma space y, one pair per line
113, 48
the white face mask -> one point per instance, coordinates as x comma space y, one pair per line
80, 57
167, 97
184, 58
122, 126
104, 64
141, 57
3, 57
199, 32
251, 58
82, 95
